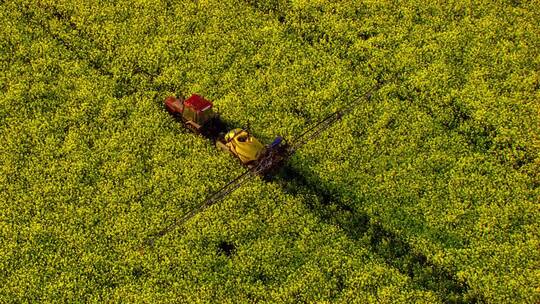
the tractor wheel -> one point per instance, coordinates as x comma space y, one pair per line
192, 128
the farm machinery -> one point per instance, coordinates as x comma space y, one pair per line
197, 114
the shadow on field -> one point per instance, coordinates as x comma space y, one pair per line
387, 245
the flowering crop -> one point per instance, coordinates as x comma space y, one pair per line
427, 193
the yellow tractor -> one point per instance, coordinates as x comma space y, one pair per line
242, 144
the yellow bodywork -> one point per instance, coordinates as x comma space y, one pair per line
246, 147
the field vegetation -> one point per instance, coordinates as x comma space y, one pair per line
426, 193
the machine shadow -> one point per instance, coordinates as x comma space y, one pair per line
331, 209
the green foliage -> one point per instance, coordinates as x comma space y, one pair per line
426, 193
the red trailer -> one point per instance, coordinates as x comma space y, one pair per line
197, 114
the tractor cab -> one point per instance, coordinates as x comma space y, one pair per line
196, 113
198, 110
243, 145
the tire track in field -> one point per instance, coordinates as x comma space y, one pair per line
32, 17
81, 51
